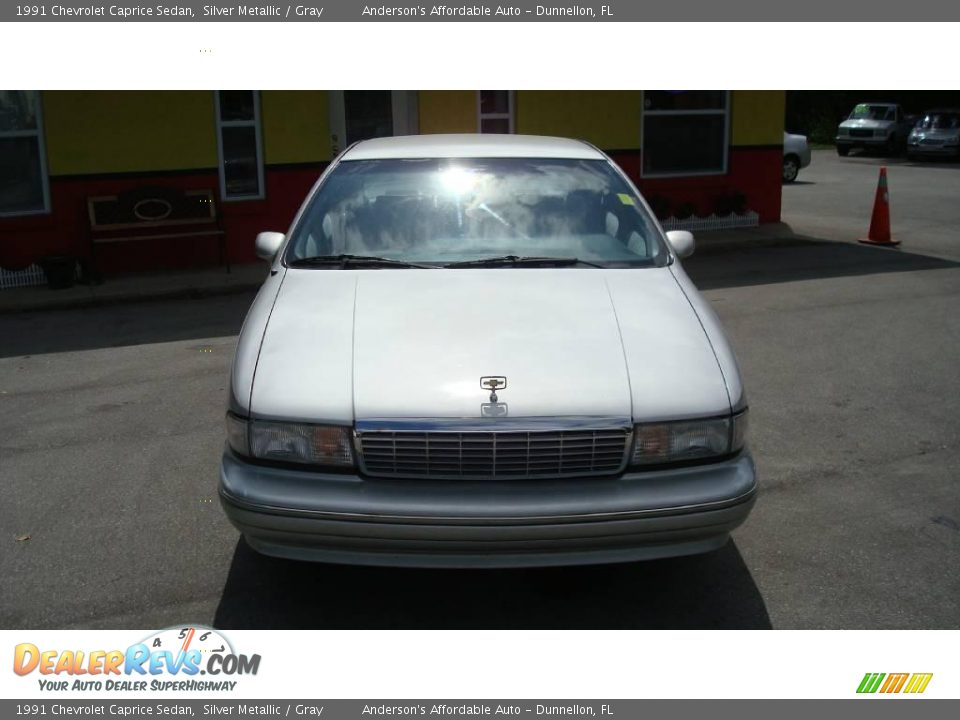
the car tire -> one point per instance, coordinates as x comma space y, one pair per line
791, 168
893, 147
843, 150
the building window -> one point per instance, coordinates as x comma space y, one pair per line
367, 114
239, 144
495, 108
24, 188
685, 132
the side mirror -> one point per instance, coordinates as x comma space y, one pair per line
267, 244
682, 242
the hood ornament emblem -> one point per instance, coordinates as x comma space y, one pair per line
493, 408
493, 383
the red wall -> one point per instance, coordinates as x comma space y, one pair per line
24, 240
754, 171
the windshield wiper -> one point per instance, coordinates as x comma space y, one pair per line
522, 261
347, 261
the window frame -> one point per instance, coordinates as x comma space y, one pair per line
37, 132
509, 116
663, 113
258, 133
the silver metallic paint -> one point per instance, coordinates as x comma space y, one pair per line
332, 345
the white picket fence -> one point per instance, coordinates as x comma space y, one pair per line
29, 276
712, 222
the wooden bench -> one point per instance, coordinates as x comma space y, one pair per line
152, 214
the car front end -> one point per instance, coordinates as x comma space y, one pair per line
865, 135
870, 126
442, 404
937, 134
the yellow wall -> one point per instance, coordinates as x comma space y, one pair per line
90, 132
128, 131
447, 111
757, 117
295, 126
610, 119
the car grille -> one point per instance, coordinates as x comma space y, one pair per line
931, 141
494, 455
861, 133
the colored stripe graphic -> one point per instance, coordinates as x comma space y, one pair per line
918, 682
870, 682
894, 682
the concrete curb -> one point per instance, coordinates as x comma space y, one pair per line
770, 232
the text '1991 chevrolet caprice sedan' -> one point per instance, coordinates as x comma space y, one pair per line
482, 351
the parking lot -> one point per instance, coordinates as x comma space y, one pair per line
832, 199
111, 429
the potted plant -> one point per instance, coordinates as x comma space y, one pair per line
61, 271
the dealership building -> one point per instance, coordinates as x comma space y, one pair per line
81, 172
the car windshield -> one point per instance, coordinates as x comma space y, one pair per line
865, 111
453, 211
940, 121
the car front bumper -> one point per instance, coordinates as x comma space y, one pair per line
874, 141
346, 518
934, 150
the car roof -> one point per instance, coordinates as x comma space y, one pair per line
471, 145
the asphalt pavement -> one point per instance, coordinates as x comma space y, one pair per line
111, 429
833, 199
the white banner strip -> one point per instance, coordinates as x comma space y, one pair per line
204, 56
468, 664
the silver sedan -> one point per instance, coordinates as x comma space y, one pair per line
482, 351
937, 134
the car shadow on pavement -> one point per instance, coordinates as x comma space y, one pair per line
140, 322
715, 590
797, 257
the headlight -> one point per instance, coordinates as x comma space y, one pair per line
843, 131
291, 442
955, 140
237, 434
685, 440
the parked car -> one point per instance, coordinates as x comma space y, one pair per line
874, 126
937, 134
482, 350
796, 155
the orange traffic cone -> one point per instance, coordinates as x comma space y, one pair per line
880, 220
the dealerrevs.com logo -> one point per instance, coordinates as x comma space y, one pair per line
179, 659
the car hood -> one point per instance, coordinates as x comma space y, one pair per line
343, 345
936, 133
867, 124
